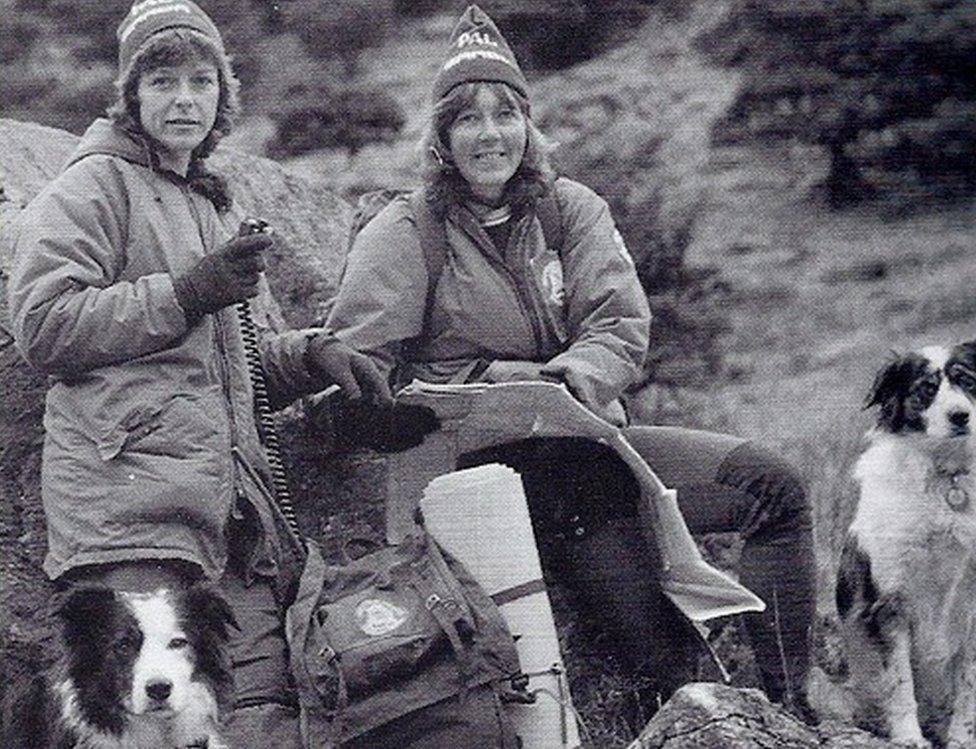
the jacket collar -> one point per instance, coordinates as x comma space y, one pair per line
106, 137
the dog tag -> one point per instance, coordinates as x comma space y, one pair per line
957, 498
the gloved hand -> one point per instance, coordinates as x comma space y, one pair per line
224, 277
336, 363
386, 427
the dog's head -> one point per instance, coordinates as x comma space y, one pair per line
930, 392
143, 654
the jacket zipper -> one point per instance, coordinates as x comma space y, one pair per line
524, 289
518, 286
218, 330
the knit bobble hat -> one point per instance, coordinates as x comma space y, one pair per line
149, 17
478, 52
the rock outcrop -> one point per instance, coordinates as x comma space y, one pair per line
706, 716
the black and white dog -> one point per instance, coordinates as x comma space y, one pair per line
906, 588
137, 671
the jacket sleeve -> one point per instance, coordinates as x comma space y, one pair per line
381, 299
70, 311
606, 308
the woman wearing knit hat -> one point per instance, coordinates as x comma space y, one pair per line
127, 277
518, 300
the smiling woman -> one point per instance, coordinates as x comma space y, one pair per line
537, 284
487, 140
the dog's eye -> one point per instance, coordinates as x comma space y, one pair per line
966, 382
124, 645
178, 642
926, 390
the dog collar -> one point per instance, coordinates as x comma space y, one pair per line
956, 496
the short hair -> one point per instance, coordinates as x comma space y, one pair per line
172, 48
445, 185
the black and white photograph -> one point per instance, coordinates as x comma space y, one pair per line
527, 374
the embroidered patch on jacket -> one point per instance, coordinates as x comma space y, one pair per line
552, 282
377, 617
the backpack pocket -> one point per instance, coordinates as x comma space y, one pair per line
377, 637
386, 635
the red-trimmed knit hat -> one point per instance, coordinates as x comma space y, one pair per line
149, 17
478, 52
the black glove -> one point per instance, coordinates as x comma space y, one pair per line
332, 362
224, 277
386, 427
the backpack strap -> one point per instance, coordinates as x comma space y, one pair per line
547, 211
433, 241
298, 627
433, 244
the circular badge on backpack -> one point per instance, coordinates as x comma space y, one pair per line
377, 617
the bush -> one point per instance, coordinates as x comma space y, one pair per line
18, 91
17, 36
339, 28
347, 119
886, 86
97, 21
72, 106
554, 34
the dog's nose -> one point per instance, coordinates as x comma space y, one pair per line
159, 689
959, 418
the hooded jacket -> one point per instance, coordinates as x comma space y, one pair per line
580, 312
149, 424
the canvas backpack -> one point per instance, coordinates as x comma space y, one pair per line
387, 635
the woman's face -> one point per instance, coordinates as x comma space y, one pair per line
487, 140
178, 106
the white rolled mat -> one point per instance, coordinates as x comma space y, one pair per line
480, 516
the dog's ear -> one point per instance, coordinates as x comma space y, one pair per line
210, 609
891, 388
966, 353
891, 381
212, 617
81, 607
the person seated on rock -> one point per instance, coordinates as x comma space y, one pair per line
513, 304
127, 279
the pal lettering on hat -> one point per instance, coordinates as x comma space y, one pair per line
478, 52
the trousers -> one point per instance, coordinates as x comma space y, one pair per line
582, 499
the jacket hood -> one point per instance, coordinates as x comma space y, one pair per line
105, 137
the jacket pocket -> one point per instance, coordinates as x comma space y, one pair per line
176, 426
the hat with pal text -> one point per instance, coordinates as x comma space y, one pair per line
478, 52
150, 17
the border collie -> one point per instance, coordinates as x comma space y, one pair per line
906, 587
138, 670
